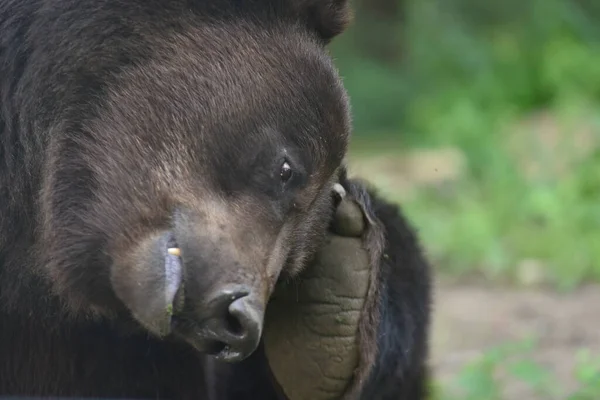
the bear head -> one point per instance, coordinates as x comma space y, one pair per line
204, 174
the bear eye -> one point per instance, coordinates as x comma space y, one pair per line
286, 172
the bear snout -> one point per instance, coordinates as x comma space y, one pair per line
190, 286
231, 326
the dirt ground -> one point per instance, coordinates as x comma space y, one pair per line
470, 319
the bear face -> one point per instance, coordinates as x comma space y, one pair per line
200, 176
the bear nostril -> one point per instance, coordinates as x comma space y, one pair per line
245, 317
234, 325
239, 324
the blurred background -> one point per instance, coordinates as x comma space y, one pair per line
481, 119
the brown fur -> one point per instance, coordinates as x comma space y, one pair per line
123, 120
172, 160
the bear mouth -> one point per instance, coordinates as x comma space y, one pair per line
229, 347
201, 339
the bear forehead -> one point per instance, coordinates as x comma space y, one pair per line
240, 67
248, 82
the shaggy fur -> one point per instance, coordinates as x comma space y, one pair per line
123, 120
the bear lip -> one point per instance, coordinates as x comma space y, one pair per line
173, 276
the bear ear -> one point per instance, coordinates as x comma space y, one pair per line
328, 18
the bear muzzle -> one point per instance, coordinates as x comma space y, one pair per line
219, 314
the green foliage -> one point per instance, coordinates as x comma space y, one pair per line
588, 374
513, 55
497, 222
487, 377
472, 71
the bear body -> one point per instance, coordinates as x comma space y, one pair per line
132, 128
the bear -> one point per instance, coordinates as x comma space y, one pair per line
164, 166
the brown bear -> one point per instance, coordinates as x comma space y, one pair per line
164, 164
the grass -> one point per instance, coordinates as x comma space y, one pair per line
486, 378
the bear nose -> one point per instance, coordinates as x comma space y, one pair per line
237, 320
233, 325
